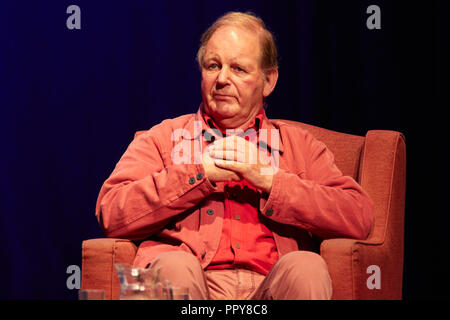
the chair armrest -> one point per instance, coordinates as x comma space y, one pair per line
98, 259
348, 261
338, 254
383, 177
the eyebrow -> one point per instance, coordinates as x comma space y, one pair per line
211, 56
236, 60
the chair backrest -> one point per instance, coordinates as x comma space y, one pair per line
346, 148
378, 163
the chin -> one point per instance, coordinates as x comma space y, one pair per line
224, 110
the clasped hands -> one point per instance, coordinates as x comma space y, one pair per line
234, 158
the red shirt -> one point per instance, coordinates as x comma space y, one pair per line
245, 241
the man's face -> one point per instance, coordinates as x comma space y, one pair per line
233, 84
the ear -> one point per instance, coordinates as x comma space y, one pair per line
270, 80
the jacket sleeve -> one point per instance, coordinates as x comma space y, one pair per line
320, 200
145, 190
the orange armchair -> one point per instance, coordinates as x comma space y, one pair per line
378, 162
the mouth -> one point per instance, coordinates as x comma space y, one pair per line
223, 97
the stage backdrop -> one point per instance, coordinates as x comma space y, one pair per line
73, 93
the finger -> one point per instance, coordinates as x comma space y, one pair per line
232, 143
230, 165
241, 155
224, 144
227, 155
206, 158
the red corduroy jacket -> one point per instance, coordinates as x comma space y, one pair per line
158, 192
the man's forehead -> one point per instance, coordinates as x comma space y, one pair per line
237, 41
231, 31
235, 34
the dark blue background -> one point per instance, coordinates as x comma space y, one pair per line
71, 101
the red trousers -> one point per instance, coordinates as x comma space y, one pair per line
298, 275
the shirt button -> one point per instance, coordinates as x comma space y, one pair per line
269, 212
200, 176
210, 211
237, 245
209, 137
237, 217
191, 180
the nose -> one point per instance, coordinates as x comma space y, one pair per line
222, 77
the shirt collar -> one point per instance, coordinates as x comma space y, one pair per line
260, 122
255, 124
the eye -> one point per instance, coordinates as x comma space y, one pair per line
239, 69
213, 66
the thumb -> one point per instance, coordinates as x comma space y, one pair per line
229, 165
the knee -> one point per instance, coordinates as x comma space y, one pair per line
182, 269
308, 272
304, 263
175, 261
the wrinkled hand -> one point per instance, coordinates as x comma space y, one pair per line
245, 159
215, 173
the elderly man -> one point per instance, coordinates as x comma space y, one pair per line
227, 202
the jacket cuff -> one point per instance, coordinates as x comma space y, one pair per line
197, 177
268, 207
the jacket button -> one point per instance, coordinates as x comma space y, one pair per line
269, 212
200, 176
191, 180
210, 211
237, 245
